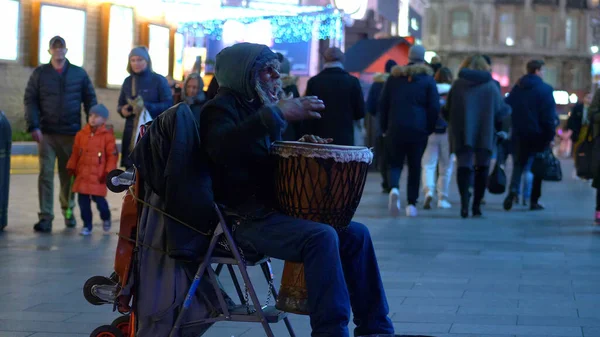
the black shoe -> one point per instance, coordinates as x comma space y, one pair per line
428, 201
508, 202
536, 207
477, 211
43, 226
71, 223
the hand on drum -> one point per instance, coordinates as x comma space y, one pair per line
301, 108
315, 139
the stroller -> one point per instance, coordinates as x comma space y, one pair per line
164, 249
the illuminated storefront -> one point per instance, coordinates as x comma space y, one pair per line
292, 30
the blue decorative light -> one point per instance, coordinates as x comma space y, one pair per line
287, 29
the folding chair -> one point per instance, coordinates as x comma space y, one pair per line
230, 257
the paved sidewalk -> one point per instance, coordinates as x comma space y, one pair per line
512, 273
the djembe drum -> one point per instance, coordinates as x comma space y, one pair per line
321, 183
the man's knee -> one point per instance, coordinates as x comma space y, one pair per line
324, 236
359, 231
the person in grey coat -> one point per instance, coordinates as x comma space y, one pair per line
475, 111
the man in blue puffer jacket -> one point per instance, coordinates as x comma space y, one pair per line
409, 108
53, 99
533, 128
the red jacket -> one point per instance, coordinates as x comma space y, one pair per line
94, 156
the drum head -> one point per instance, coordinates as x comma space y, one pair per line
339, 153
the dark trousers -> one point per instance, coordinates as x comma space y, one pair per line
52, 148
85, 206
382, 161
413, 153
340, 269
598, 199
523, 159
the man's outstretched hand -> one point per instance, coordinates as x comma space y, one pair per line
315, 139
301, 108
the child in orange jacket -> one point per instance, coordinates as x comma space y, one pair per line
94, 156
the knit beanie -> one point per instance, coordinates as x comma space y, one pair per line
140, 51
416, 54
100, 110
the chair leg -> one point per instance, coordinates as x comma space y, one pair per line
236, 283
266, 268
220, 298
254, 297
192, 291
219, 268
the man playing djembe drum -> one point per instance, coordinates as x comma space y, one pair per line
237, 128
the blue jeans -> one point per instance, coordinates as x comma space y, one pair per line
340, 270
522, 161
85, 201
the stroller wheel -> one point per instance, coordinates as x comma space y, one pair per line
122, 323
90, 291
109, 183
106, 331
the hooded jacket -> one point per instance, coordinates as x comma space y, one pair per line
156, 93
409, 104
53, 101
375, 90
474, 110
534, 116
237, 130
94, 156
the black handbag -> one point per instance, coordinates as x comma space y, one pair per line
497, 180
546, 165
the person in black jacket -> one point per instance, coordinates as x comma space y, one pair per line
53, 99
343, 97
534, 121
289, 83
409, 108
237, 128
372, 106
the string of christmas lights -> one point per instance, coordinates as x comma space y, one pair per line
288, 29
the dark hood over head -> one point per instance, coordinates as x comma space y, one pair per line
234, 67
475, 77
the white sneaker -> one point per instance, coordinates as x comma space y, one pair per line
85, 231
394, 202
444, 204
411, 210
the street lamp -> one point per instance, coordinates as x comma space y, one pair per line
594, 49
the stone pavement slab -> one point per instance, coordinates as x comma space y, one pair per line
515, 273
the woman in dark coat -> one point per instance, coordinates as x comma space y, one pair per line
475, 111
594, 122
143, 89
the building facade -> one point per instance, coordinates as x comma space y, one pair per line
512, 32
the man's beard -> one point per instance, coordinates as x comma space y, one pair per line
270, 92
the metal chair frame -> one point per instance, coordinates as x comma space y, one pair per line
264, 315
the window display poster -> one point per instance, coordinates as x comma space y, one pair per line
69, 23
158, 48
120, 43
298, 53
178, 65
9, 26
